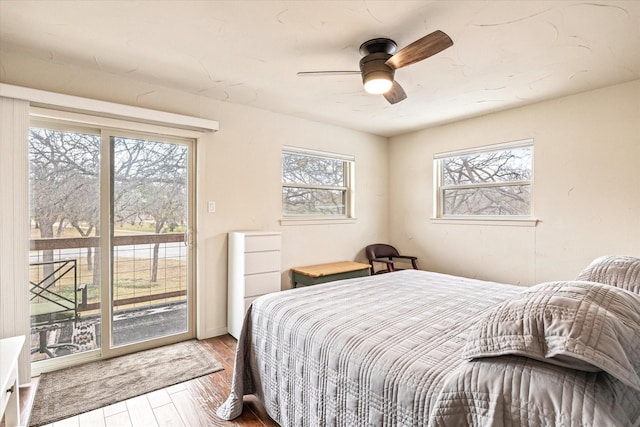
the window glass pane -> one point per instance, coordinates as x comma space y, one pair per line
306, 201
506, 200
497, 166
64, 268
300, 169
316, 185
150, 260
150, 180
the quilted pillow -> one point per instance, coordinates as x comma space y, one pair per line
620, 271
580, 325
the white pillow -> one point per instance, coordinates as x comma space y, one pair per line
580, 325
615, 270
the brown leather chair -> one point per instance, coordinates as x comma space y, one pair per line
381, 253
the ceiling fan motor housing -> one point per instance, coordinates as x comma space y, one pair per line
377, 46
373, 66
376, 52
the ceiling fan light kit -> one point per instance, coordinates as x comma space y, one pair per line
377, 85
376, 75
380, 61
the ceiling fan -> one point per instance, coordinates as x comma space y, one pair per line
380, 61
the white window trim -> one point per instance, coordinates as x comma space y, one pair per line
485, 148
76, 104
317, 153
519, 220
47, 115
502, 221
316, 221
350, 217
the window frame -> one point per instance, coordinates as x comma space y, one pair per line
106, 128
348, 188
440, 188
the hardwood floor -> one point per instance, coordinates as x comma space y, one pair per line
189, 404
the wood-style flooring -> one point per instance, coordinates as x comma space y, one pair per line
189, 404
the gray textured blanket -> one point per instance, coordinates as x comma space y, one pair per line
387, 350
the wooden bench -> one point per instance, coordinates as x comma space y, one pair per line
322, 273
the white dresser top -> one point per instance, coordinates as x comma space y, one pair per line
10, 349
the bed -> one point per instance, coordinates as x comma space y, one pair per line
416, 348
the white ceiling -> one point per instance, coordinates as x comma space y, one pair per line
505, 53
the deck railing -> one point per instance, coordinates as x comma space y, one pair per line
138, 259
93, 242
47, 304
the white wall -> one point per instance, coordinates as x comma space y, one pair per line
586, 189
239, 169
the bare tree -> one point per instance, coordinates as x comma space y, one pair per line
315, 184
488, 183
150, 185
64, 183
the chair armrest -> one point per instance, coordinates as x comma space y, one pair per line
406, 257
384, 260
387, 261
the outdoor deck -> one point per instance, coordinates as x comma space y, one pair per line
149, 291
129, 326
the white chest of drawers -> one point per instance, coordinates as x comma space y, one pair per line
254, 270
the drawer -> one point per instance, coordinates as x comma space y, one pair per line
258, 243
260, 284
261, 262
9, 385
5, 394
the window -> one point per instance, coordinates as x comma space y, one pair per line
492, 181
316, 184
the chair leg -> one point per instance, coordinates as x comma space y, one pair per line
44, 346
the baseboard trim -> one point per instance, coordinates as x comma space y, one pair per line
210, 333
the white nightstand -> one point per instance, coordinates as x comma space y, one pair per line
10, 349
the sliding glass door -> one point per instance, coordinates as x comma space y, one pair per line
111, 259
150, 239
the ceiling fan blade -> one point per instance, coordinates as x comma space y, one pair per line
326, 73
420, 49
395, 94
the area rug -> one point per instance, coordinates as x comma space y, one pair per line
71, 391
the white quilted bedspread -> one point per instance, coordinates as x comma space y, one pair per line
386, 350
